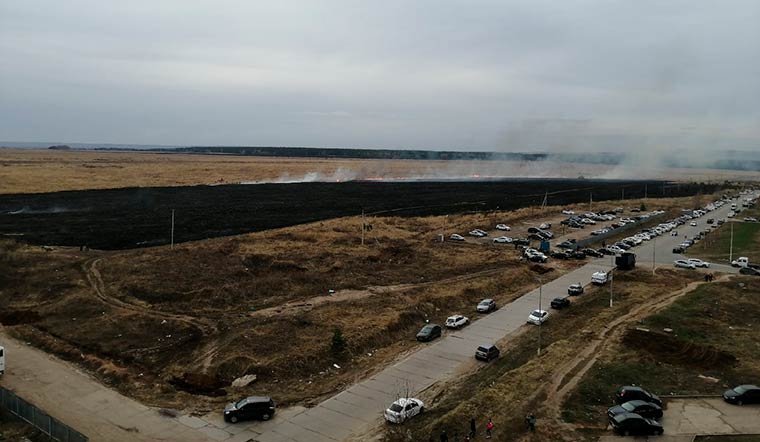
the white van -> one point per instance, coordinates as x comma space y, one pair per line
2, 360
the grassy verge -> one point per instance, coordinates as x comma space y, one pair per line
717, 245
713, 345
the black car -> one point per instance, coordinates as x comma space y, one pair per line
710, 221
632, 424
567, 244
749, 271
642, 408
678, 249
520, 242
631, 392
487, 352
575, 289
605, 251
594, 253
560, 303
623, 245
254, 407
578, 255
557, 254
537, 258
537, 237
743, 394
429, 332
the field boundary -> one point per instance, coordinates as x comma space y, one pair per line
31, 414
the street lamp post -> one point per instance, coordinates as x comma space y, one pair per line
611, 278
731, 246
654, 252
541, 320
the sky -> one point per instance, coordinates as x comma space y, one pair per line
539, 75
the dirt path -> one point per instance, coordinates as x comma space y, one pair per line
292, 308
565, 380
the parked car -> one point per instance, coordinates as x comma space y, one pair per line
568, 212
502, 240
632, 392
560, 303
567, 244
429, 332
684, 264
575, 289
749, 271
578, 255
538, 317
403, 409
699, 262
592, 252
457, 321
252, 407
478, 233
599, 278
456, 237
606, 251
544, 226
743, 394
504, 227
693, 224
487, 352
520, 242
486, 305
537, 257
678, 249
642, 408
740, 262
632, 424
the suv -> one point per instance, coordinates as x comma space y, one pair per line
560, 303
487, 352
253, 407
631, 392
575, 289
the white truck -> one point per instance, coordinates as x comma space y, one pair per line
740, 262
599, 278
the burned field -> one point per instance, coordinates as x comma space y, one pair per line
140, 217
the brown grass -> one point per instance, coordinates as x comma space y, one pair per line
41, 170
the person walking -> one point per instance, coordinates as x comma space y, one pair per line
444, 436
531, 421
472, 427
489, 428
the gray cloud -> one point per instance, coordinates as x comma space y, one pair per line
505, 75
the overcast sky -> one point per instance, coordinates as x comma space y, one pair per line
487, 75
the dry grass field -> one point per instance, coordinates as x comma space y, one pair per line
42, 170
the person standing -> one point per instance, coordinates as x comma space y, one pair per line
489, 428
472, 427
531, 420
444, 436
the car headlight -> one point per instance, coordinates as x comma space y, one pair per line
226, 412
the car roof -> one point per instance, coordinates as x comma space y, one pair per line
487, 346
748, 387
631, 388
625, 416
403, 401
252, 399
639, 402
486, 300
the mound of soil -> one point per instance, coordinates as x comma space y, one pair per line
669, 349
199, 383
16, 317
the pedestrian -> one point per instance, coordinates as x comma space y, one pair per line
531, 420
472, 427
707, 277
444, 436
489, 428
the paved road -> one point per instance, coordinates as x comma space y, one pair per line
103, 414
685, 418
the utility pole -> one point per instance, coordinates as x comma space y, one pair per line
645, 191
611, 277
172, 243
363, 226
546, 198
654, 252
541, 321
590, 200
731, 246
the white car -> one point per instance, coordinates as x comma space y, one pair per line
568, 212
699, 263
502, 240
457, 321
587, 221
545, 226
684, 264
731, 214
503, 227
693, 224
599, 278
403, 409
538, 317
478, 233
615, 249
456, 237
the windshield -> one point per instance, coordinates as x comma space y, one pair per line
483, 349
240, 403
539, 313
427, 329
396, 407
740, 389
628, 406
